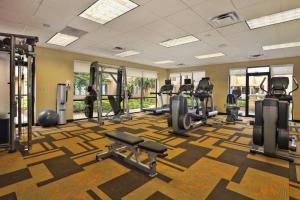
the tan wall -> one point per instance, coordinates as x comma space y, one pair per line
219, 75
55, 66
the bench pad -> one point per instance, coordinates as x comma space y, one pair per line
153, 146
125, 137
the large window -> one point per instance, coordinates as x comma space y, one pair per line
148, 93
80, 84
141, 85
285, 71
255, 77
237, 79
177, 78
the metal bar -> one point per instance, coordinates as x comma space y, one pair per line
19, 100
99, 95
18, 36
125, 92
106, 66
142, 93
155, 94
113, 77
29, 101
12, 131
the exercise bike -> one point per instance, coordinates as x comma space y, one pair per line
181, 117
271, 126
232, 108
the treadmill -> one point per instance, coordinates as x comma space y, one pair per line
163, 108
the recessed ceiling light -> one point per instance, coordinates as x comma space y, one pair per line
103, 11
179, 41
127, 53
274, 18
61, 39
210, 55
164, 62
281, 46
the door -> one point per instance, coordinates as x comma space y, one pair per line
254, 91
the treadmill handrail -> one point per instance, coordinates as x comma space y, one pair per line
262, 86
297, 85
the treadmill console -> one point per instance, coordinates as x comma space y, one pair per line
168, 87
187, 86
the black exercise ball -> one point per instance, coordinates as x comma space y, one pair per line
48, 118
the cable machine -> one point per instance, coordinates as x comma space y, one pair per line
18, 59
120, 106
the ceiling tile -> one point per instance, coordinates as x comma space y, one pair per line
212, 8
260, 9
165, 8
165, 29
155, 21
132, 20
192, 2
189, 21
140, 2
234, 29
84, 24
245, 3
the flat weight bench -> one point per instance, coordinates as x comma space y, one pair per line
135, 145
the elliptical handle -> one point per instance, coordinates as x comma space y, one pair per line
262, 84
297, 85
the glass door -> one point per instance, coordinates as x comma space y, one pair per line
253, 89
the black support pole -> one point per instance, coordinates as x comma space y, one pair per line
12, 131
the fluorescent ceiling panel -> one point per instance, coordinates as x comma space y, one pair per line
210, 55
61, 39
164, 62
274, 18
281, 46
103, 11
179, 41
127, 53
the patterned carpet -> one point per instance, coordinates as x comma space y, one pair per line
214, 163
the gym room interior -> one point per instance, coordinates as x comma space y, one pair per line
149, 99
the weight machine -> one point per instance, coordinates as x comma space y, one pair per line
18, 59
119, 105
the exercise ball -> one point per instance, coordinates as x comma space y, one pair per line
48, 118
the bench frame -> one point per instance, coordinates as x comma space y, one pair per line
117, 147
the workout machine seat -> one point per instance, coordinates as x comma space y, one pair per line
124, 137
135, 145
153, 147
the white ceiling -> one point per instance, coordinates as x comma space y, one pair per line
155, 21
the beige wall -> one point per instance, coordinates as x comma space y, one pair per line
55, 66
219, 75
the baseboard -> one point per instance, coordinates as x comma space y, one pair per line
221, 113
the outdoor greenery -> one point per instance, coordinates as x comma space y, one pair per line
241, 102
81, 81
78, 106
136, 82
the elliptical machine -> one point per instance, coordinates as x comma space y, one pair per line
232, 108
182, 118
271, 125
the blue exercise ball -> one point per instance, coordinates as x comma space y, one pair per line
48, 118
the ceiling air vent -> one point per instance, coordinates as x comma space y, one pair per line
256, 55
118, 49
224, 19
73, 31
